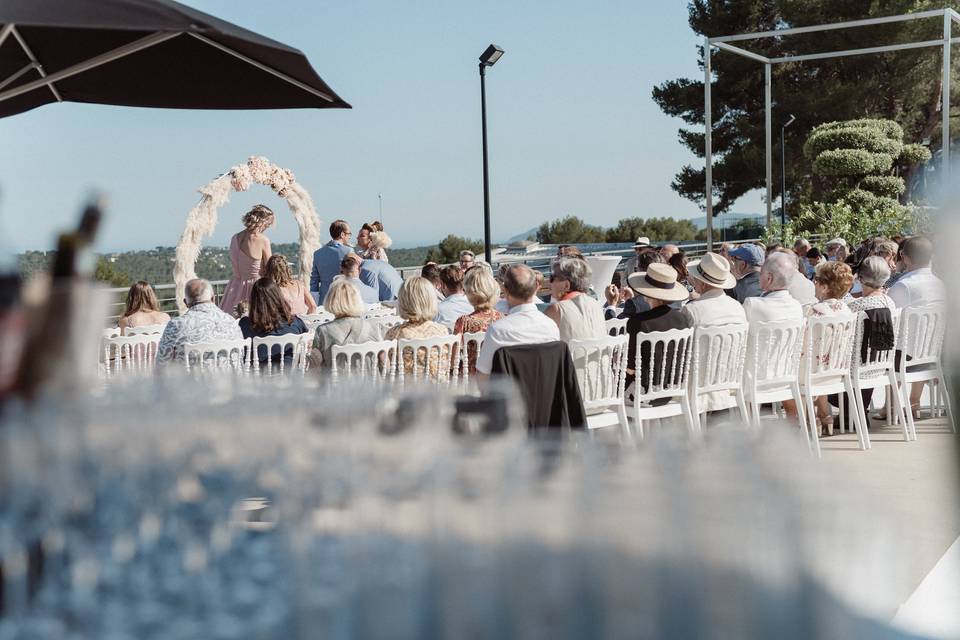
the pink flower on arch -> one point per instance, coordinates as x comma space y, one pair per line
260, 169
240, 178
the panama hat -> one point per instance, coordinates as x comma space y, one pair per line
642, 241
714, 270
659, 282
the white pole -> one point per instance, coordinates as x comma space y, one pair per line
768, 129
945, 106
708, 141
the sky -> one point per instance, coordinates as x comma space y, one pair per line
572, 127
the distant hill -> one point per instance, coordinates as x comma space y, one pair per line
728, 219
526, 235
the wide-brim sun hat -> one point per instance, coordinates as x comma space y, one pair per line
642, 241
659, 282
714, 270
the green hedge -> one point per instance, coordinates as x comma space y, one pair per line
887, 128
914, 154
866, 138
889, 186
852, 162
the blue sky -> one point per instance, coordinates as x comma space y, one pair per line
572, 126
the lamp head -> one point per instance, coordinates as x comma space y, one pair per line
790, 121
489, 57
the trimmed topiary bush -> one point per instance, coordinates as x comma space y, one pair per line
914, 154
846, 163
888, 186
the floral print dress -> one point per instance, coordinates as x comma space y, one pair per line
476, 322
822, 309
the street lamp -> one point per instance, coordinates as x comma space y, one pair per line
783, 179
487, 59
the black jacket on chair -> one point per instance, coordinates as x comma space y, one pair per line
547, 381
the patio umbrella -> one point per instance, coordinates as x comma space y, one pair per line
146, 53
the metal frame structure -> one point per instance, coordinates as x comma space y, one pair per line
723, 44
146, 42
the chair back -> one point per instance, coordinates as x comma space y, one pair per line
385, 322
719, 355
131, 353
365, 361
216, 354
601, 367
827, 347
773, 353
875, 360
269, 353
147, 329
470, 349
617, 326
921, 334
436, 359
667, 366
314, 320
379, 311
110, 332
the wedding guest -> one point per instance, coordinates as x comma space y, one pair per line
455, 302
710, 278
382, 277
524, 324
350, 270
800, 288
836, 250
467, 259
800, 247
347, 327
679, 263
142, 309
888, 250
577, 314
249, 252
634, 304
326, 259
814, 257
659, 287
747, 262
202, 322
417, 305
270, 315
832, 281
641, 244
482, 292
431, 271
363, 240
775, 303
668, 251
379, 243
570, 251
298, 298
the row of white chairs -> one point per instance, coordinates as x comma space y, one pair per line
746, 367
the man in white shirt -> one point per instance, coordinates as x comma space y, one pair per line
202, 322
523, 324
710, 277
802, 289
917, 287
454, 303
776, 303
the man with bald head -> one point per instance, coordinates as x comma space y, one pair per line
524, 324
775, 303
202, 322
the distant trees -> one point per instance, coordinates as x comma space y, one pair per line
569, 230
106, 272
657, 229
448, 250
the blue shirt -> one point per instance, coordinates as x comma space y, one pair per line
326, 267
451, 308
368, 294
382, 277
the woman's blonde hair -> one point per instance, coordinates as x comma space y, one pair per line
141, 297
259, 218
380, 240
278, 270
481, 288
417, 300
343, 300
837, 277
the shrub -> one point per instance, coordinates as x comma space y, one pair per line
889, 186
851, 162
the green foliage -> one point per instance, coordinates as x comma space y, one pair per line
914, 154
782, 234
450, 247
865, 138
851, 163
845, 220
106, 272
657, 229
888, 186
569, 230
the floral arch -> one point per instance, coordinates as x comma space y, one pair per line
202, 219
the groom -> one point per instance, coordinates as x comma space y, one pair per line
326, 259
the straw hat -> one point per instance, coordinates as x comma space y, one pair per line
714, 270
659, 282
642, 241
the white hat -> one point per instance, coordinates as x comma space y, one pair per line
839, 241
642, 241
659, 282
714, 270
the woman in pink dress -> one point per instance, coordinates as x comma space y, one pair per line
292, 289
249, 252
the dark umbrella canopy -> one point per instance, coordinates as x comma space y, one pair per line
146, 53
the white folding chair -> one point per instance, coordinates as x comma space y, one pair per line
825, 368
667, 368
719, 355
616, 326
385, 322
876, 371
216, 354
601, 368
772, 369
314, 320
130, 353
366, 361
469, 350
146, 330
111, 332
379, 311
435, 359
920, 338
274, 350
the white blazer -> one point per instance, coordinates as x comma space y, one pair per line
715, 308
775, 306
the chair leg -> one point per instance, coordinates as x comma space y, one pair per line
742, 406
895, 407
904, 389
691, 417
888, 402
814, 434
624, 422
801, 413
945, 396
856, 410
843, 411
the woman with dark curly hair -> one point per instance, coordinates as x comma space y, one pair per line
249, 252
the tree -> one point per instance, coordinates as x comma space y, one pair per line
657, 229
901, 85
106, 272
448, 250
569, 230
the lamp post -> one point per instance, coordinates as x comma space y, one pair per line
783, 179
487, 59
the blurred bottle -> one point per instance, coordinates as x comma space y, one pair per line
12, 318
